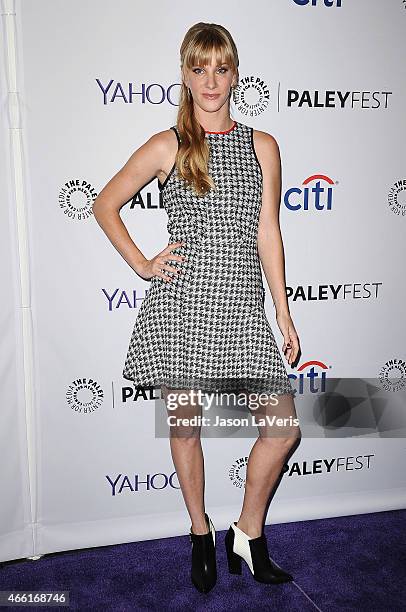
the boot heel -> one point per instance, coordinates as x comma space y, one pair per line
233, 560
234, 563
204, 568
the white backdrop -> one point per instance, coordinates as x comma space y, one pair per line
81, 464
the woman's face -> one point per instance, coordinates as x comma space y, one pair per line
210, 84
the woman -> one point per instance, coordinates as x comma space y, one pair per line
202, 324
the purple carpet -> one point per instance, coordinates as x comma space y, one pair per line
339, 564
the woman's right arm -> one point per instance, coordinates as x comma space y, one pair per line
144, 164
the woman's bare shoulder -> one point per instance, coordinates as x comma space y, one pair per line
164, 139
164, 144
264, 138
266, 146
163, 147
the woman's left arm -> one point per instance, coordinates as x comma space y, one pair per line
270, 244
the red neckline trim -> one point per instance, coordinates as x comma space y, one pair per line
226, 132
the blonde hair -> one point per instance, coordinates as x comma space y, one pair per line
198, 45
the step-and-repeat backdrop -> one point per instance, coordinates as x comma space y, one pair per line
83, 85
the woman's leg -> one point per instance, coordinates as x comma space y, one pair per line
266, 461
187, 453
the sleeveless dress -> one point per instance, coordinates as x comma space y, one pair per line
207, 329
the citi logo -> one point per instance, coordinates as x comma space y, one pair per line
311, 377
316, 193
329, 3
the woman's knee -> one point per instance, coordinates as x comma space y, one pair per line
186, 435
282, 442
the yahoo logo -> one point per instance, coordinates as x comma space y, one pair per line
128, 93
123, 483
311, 195
336, 3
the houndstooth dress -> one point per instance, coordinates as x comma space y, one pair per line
207, 329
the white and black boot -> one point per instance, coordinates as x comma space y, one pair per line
204, 568
255, 553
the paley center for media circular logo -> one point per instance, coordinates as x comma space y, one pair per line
84, 395
397, 197
76, 199
393, 375
251, 96
237, 472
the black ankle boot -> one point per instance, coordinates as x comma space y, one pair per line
255, 553
204, 569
